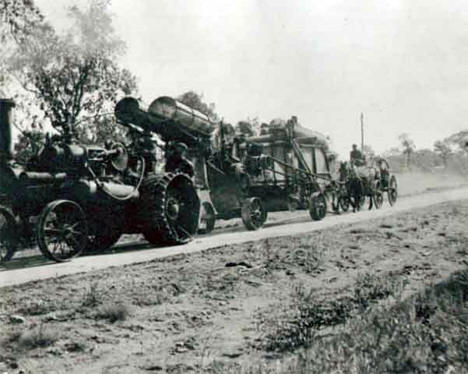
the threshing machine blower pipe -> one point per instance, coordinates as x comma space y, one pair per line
168, 118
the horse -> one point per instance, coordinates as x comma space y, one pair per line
358, 184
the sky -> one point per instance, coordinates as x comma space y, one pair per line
403, 63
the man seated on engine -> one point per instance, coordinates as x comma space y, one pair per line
356, 157
176, 162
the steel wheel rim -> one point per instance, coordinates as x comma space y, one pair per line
8, 242
172, 208
322, 206
256, 213
344, 203
378, 200
207, 217
180, 203
392, 191
318, 207
63, 231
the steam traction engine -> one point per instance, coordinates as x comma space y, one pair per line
72, 197
246, 177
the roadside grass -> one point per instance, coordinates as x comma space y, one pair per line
426, 333
37, 337
37, 307
297, 324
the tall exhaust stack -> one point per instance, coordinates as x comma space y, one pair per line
6, 144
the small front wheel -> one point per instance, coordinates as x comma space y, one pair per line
335, 202
253, 213
8, 235
62, 230
317, 206
207, 218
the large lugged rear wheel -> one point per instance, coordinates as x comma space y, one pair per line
8, 236
170, 209
62, 230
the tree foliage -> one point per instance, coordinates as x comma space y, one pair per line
18, 21
195, 101
443, 150
19, 18
74, 75
408, 147
459, 139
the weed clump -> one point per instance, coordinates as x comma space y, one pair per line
38, 337
114, 312
92, 296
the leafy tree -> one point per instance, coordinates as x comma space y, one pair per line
443, 150
460, 139
195, 101
249, 126
18, 20
408, 148
74, 76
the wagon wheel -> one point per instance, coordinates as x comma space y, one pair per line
317, 206
8, 235
253, 213
207, 218
104, 238
335, 201
392, 191
62, 231
377, 196
170, 208
344, 203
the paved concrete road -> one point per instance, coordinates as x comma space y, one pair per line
303, 224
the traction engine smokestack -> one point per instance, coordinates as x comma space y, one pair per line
6, 145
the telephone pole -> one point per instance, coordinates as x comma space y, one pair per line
362, 132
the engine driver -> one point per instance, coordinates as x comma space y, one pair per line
176, 160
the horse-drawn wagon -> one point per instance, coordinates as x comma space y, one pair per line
358, 183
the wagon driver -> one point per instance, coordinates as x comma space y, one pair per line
356, 157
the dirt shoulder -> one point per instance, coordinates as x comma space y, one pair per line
236, 307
